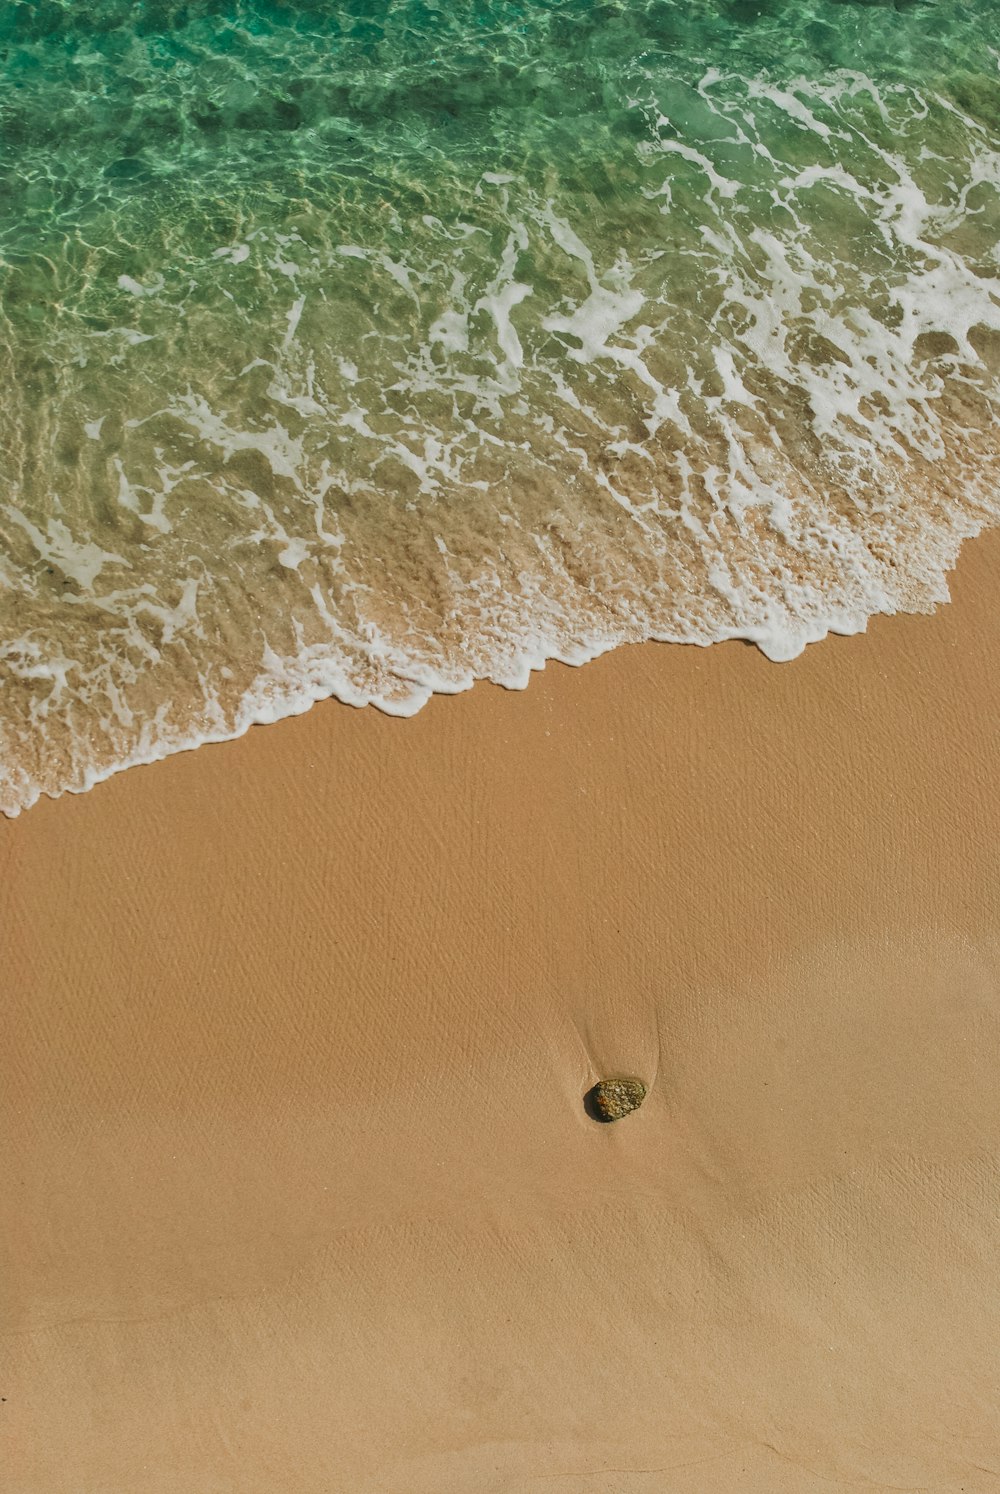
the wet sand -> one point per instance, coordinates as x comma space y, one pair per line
300, 1192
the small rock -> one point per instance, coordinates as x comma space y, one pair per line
610, 1099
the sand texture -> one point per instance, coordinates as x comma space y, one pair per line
300, 1194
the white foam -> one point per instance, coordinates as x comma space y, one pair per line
504, 294
81, 561
236, 254
136, 288
294, 314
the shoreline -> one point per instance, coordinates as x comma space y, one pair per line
263, 706
297, 1033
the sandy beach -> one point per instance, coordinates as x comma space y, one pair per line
300, 1194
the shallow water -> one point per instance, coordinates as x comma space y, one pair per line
372, 349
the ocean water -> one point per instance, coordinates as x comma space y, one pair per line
370, 349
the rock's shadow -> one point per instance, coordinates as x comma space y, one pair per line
591, 1107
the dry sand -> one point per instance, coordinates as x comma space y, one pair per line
300, 1194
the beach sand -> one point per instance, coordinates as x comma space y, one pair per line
300, 1195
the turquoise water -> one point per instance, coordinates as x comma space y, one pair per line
369, 350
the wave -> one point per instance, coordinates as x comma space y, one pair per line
587, 336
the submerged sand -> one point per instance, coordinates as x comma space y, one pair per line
301, 1195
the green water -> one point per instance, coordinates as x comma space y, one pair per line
370, 349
